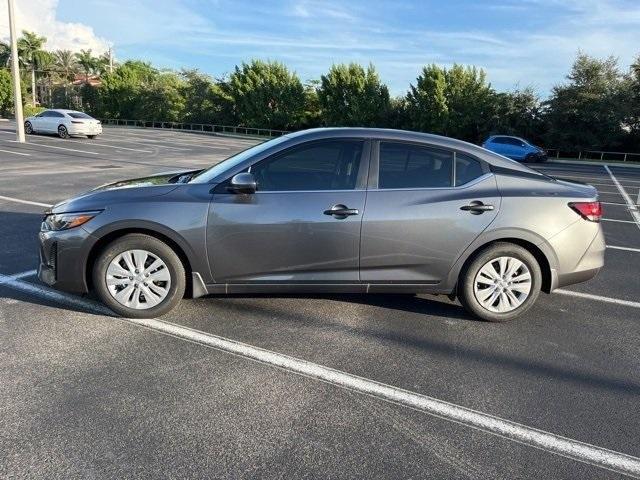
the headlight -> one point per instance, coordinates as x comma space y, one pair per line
65, 221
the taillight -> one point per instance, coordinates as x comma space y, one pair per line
591, 211
77, 121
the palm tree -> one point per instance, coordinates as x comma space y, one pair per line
30, 53
5, 54
67, 66
87, 62
47, 66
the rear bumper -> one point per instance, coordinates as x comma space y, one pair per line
77, 129
587, 266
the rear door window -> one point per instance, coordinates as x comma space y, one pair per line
403, 165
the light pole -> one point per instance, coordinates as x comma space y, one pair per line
15, 70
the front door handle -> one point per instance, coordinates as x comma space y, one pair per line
341, 211
477, 207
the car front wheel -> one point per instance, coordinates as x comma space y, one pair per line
139, 276
501, 283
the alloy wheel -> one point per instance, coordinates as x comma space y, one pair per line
502, 284
138, 279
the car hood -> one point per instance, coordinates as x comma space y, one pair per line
124, 190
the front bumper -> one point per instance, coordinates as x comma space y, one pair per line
63, 257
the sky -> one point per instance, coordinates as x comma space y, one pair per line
519, 43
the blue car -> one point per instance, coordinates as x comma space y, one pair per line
515, 148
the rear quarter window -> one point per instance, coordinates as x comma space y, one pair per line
467, 169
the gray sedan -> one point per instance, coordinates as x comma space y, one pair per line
330, 210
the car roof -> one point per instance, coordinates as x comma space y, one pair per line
508, 136
63, 110
408, 136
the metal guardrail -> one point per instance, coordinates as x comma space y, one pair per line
594, 155
195, 127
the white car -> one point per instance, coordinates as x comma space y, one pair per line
66, 123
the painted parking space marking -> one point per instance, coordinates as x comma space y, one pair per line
628, 249
31, 143
599, 298
26, 202
632, 207
616, 220
540, 439
16, 153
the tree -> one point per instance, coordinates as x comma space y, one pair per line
5, 54
87, 62
122, 92
206, 100
456, 102
162, 99
349, 95
587, 112
426, 102
67, 67
47, 67
518, 113
6, 92
633, 109
31, 53
266, 95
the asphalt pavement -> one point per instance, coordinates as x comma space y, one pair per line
303, 386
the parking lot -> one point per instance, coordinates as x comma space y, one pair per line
331, 386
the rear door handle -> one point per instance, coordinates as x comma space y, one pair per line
341, 211
477, 207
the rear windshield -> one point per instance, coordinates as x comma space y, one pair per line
78, 115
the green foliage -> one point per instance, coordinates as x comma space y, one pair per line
587, 111
351, 96
266, 95
517, 113
30, 110
456, 102
6, 93
206, 101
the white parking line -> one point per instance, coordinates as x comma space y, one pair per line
633, 210
16, 153
27, 202
517, 432
600, 298
628, 249
52, 146
616, 220
111, 146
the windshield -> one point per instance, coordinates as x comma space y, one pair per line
219, 168
78, 115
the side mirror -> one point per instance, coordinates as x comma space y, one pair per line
243, 183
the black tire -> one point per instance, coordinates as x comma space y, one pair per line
63, 132
531, 158
91, 137
137, 241
467, 277
28, 128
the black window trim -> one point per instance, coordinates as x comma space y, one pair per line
361, 180
374, 166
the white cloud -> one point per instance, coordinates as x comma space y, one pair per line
39, 16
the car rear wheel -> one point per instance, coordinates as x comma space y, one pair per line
139, 276
63, 132
501, 283
28, 128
